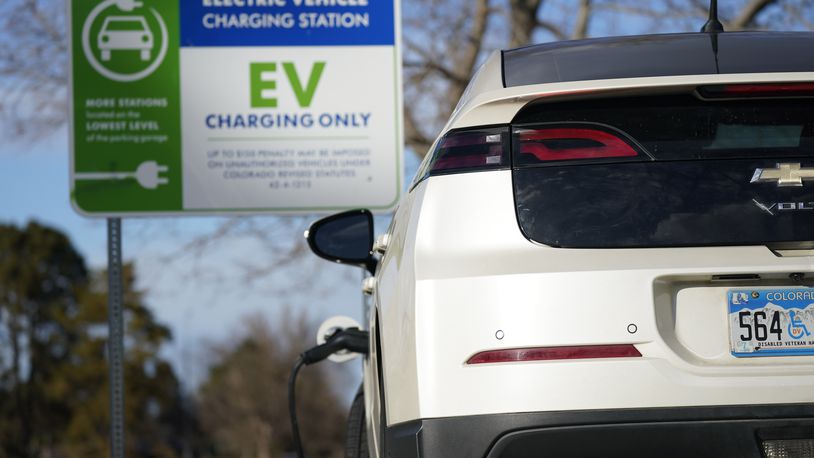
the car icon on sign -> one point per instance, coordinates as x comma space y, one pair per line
125, 33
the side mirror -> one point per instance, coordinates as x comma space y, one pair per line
346, 238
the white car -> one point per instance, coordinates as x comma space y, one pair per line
125, 33
607, 252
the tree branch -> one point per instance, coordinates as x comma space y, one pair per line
433, 63
583, 20
748, 14
413, 137
474, 40
792, 11
523, 20
558, 33
637, 11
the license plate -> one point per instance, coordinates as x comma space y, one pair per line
771, 322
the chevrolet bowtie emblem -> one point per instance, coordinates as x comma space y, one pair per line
784, 175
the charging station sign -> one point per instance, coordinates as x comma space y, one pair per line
234, 106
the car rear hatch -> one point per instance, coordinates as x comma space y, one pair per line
720, 166
583, 227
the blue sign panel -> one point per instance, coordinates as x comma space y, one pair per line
287, 22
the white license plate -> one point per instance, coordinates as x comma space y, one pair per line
771, 322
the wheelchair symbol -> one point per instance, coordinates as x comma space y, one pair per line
797, 329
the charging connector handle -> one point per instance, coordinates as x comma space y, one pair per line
351, 339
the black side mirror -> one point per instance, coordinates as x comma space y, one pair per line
346, 238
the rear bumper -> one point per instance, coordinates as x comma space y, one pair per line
730, 431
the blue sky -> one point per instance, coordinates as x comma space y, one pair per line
35, 186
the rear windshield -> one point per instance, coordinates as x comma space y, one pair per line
665, 171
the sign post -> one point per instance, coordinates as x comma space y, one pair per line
115, 332
204, 107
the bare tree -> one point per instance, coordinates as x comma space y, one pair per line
33, 67
243, 401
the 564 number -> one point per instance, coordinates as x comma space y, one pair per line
761, 327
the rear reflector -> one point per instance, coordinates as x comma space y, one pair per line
565, 143
757, 90
554, 353
789, 448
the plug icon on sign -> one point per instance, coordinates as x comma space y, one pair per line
148, 175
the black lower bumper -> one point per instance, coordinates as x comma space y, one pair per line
720, 432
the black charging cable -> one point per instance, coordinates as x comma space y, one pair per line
353, 340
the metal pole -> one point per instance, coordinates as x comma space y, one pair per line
365, 318
115, 339
365, 310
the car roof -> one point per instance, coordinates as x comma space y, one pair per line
659, 55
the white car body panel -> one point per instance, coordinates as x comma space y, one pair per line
457, 269
396, 285
475, 273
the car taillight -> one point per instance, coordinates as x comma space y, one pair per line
723, 91
476, 149
554, 353
566, 143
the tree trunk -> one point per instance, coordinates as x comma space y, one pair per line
523, 21
583, 20
24, 442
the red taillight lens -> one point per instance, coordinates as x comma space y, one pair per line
471, 149
757, 90
569, 143
554, 353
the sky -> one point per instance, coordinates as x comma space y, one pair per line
34, 179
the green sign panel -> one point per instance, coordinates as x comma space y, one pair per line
126, 107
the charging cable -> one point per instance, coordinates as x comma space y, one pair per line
351, 339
